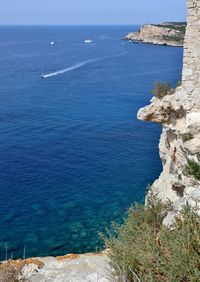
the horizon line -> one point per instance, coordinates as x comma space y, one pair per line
71, 24
81, 25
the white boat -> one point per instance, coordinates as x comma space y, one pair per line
88, 41
52, 43
44, 75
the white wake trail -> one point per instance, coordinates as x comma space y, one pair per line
71, 68
79, 65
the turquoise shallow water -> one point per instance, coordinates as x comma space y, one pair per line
73, 156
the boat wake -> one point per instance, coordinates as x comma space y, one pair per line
77, 66
71, 68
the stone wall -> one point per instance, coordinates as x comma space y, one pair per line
191, 66
179, 114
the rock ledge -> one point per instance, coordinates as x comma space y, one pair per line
77, 268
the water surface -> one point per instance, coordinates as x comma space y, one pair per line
73, 156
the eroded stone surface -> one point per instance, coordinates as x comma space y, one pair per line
69, 268
180, 116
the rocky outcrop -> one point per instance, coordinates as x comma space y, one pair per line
171, 34
180, 116
76, 268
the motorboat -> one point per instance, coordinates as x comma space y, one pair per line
88, 41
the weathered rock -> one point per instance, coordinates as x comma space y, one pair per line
193, 145
77, 268
28, 271
169, 220
180, 116
195, 195
11, 270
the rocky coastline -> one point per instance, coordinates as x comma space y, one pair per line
168, 34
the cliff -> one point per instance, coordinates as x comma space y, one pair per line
179, 114
170, 34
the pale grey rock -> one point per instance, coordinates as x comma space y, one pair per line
179, 204
193, 145
189, 190
27, 271
169, 220
187, 72
193, 122
195, 195
83, 268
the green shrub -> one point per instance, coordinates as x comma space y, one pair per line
187, 137
178, 38
162, 89
179, 27
143, 250
192, 169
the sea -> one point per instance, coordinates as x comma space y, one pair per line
73, 156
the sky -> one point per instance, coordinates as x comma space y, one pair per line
90, 12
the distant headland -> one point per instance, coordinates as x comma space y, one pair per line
169, 34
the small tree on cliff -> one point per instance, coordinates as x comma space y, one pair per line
161, 89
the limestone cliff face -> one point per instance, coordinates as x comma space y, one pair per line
163, 34
180, 116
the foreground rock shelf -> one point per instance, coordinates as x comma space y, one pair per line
76, 268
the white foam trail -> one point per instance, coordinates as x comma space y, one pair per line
79, 65
71, 68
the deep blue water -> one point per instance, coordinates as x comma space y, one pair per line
73, 156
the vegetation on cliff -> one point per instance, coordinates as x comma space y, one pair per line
180, 27
161, 89
192, 169
142, 249
187, 137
